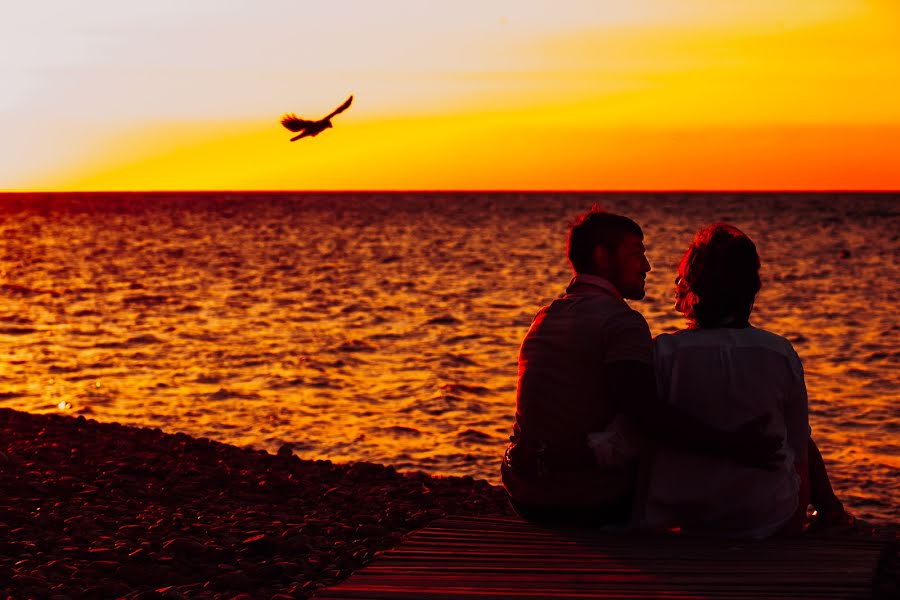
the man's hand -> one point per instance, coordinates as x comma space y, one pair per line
751, 446
631, 387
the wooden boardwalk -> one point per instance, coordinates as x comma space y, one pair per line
459, 558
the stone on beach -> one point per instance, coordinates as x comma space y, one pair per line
98, 510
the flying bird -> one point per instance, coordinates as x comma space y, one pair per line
311, 128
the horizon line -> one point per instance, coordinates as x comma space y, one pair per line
466, 191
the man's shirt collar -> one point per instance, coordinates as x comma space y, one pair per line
584, 284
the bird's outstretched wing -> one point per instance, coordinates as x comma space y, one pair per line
340, 108
294, 123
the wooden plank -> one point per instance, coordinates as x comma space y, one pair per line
470, 558
598, 574
405, 593
462, 569
612, 582
441, 531
401, 593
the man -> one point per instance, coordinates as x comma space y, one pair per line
587, 359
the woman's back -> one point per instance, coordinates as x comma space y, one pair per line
726, 377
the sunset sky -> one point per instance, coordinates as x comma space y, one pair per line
470, 94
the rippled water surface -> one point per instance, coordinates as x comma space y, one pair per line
385, 327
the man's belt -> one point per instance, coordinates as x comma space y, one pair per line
538, 458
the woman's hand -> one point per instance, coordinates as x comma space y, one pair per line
751, 446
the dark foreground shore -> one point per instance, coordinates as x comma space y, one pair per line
101, 510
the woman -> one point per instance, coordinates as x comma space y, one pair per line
726, 372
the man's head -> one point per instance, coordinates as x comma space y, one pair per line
611, 246
718, 278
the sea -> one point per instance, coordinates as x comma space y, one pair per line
385, 327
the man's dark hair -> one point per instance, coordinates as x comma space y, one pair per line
718, 278
597, 228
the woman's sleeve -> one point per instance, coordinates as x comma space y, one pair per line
796, 412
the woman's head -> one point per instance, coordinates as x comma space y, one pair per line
718, 278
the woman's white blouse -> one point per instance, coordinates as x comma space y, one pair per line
727, 377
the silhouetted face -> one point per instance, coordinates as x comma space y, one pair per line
628, 267
682, 292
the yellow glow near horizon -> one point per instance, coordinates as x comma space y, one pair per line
657, 94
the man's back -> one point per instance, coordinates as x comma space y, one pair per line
559, 397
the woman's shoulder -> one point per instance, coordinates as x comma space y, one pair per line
770, 340
685, 336
743, 337
673, 337
667, 343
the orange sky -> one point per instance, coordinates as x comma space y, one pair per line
474, 94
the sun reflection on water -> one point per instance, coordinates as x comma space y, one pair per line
386, 328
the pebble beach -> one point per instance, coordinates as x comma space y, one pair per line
92, 510
102, 510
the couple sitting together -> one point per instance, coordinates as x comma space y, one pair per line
705, 429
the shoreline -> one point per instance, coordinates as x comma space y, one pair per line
99, 510
104, 510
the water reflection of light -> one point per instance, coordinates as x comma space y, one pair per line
435, 386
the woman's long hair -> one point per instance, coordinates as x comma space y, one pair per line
718, 278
